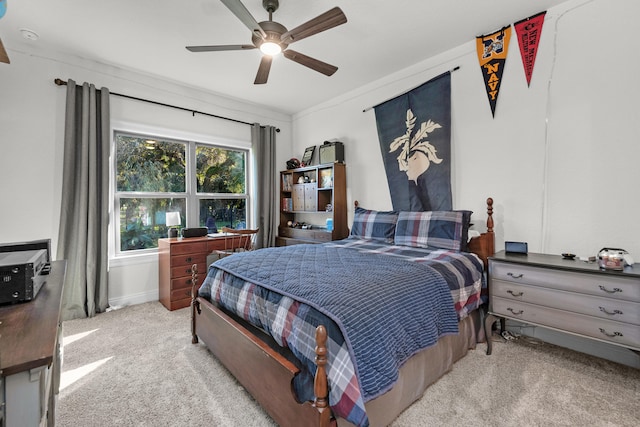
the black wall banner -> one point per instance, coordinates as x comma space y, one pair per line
414, 130
492, 55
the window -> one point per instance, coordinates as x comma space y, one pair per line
206, 184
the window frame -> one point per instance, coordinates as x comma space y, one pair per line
192, 198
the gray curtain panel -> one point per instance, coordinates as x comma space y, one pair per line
263, 141
84, 217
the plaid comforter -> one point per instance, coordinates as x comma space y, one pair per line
287, 293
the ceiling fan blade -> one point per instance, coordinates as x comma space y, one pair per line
220, 47
263, 70
307, 61
327, 20
3, 54
241, 12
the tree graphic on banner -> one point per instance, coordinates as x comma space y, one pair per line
417, 153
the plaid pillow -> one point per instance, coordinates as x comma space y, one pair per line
375, 225
435, 229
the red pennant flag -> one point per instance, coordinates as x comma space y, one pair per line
528, 32
492, 55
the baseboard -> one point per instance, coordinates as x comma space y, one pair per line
596, 348
133, 299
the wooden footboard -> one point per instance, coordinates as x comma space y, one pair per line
264, 373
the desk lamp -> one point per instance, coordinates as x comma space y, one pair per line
172, 220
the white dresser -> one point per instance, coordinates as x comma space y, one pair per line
565, 295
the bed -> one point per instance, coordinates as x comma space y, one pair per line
348, 332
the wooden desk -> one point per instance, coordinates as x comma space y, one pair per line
176, 256
30, 354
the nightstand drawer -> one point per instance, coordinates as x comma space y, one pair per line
605, 308
604, 285
624, 334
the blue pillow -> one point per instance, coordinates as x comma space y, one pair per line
435, 229
375, 225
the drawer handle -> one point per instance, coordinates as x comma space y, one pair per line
518, 276
602, 288
515, 294
615, 334
188, 259
517, 313
610, 313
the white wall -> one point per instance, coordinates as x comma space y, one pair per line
559, 158
32, 110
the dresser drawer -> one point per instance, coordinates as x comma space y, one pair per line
180, 294
604, 285
176, 304
606, 308
185, 282
624, 334
189, 248
185, 270
187, 260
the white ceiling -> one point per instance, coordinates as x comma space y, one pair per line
149, 36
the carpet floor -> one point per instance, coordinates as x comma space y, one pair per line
136, 366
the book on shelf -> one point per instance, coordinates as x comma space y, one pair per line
287, 182
287, 204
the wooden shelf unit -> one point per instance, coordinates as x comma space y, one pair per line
324, 185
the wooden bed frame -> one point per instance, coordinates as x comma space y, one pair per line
267, 374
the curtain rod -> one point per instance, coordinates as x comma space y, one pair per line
409, 90
61, 82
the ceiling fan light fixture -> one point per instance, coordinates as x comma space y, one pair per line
270, 48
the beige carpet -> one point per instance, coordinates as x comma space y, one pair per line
137, 367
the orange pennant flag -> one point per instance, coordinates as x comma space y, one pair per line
492, 55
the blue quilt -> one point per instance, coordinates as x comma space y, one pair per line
357, 292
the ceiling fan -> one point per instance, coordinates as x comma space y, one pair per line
272, 37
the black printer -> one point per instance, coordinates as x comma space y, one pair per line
23, 270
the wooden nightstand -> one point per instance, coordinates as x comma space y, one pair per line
565, 295
176, 256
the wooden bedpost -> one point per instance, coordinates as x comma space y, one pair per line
492, 246
194, 303
484, 245
320, 387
